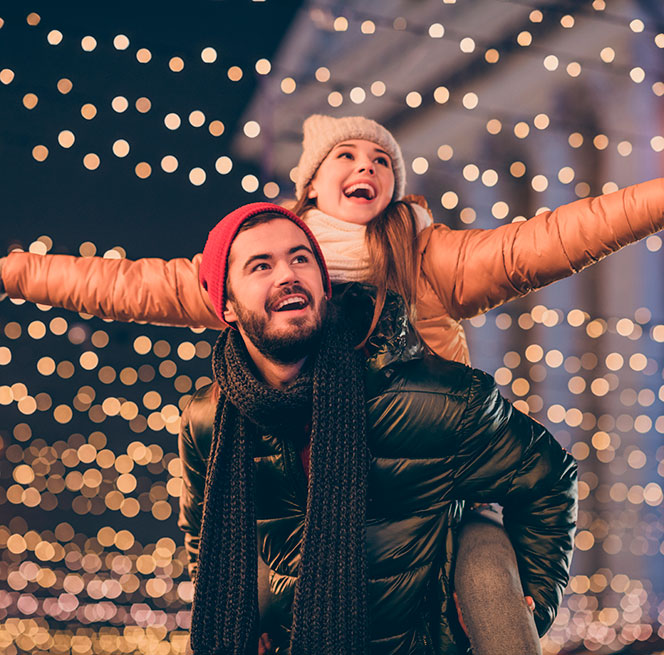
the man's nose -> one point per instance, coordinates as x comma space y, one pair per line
284, 273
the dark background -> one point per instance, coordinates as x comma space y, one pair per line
165, 214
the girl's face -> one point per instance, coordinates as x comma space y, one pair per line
355, 182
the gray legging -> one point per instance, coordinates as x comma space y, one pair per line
489, 591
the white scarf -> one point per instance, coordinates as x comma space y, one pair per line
344, 246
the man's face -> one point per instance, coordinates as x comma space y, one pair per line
275, 290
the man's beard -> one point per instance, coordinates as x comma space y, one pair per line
294, 343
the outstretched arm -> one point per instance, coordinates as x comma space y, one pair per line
146, 290
475, 270
504, 456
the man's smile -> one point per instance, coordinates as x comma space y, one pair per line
293, 299
291, 303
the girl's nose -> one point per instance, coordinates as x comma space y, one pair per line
366, 167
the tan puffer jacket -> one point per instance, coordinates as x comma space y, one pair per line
463, 273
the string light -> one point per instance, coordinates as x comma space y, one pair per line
357, 94
209, 55
91, 578
121, 42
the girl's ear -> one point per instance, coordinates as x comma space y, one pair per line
312, 193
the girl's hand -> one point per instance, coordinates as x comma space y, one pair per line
529, 602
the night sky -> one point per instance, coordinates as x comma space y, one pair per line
164, 214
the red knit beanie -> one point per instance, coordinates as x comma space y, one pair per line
214, 265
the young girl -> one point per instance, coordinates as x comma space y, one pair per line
350, 191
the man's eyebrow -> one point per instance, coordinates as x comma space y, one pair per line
269, 256
254, 258
302, 246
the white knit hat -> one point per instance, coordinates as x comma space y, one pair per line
322, 133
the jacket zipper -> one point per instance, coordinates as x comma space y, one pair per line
425, 641
293, 469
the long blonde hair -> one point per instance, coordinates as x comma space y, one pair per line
391, 239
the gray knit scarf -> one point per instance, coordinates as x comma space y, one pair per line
330, 607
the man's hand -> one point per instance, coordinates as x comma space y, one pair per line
264, 644
529, 602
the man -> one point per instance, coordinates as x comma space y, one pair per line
349, 469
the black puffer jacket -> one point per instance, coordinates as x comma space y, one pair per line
439, 434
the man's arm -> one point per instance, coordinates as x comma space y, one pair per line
193, 446
505, 456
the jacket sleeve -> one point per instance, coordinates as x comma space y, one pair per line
194, 467
146, 290
505, 456
472, 271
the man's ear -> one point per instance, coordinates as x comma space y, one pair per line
229, 312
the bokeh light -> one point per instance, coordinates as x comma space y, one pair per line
563, 106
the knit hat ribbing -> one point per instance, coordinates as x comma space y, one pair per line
214, 265
322, 133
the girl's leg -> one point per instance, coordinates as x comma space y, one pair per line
489, 592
